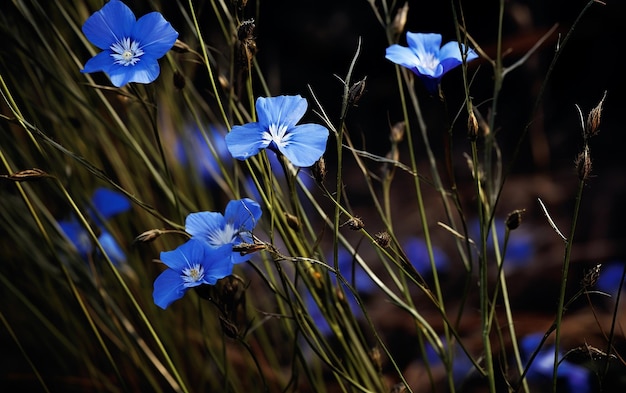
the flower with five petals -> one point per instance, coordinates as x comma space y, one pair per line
427, 58
277, 130
130, 47
192, 264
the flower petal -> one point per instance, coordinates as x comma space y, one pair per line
100, 62
78, 236
184, 255
155, 35
424, 44
281, 110
305, 144
109, 25
204, 224
450, 56
168, 287
112, 249
243, 213
109, 203
146, 71
402, 56
217, 262
246, 140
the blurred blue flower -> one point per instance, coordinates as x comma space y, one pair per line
191, 264
130, 47
192, 149
462, 365
276, 129
520, 248
105, 204
232, 228
427, 58
611, 278
417, 252
576, 378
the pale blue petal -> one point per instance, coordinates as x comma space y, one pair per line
450, 56
100, 62
112, 249
155, 35
243, 213
402, 55
168, 287
145, 71
280, 110
246, 141
108, 203
424, 44
305, 145
204, 224
109, 25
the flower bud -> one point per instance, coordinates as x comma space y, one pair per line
397, 132
591, 277
26, 175
472, 127
356, 91
148, 236
292, 221
354, 223
593, 120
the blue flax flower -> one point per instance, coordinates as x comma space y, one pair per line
277, 130
192, 264
576, 378
192, 149
232, 228
105, 204
427, 58
130, 47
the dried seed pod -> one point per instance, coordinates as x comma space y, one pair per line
355, 223
247, 43
397, 132
591, 276
356, 91
514, 219
148, 236
383, 239
583, 164
26, 175
319, 170
292, 221
593, 120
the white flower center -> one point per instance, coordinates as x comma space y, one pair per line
277, 134
429, 61
126, 52
192, 275
223, 236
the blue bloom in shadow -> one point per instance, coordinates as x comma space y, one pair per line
427, 59
611, 277
520, 248
191, 264
105, 204
541, 371
276, 129
233, 227
192, 149
130, 47
462, 365
417, 252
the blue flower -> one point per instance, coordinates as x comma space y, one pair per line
417, 252
611, 278
276, 129
427, 58
130, 47
191, 264
577, 378
232, 228
192, 149
105, 204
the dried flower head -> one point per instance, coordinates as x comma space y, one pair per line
247, 43
319, 170
592, 127
355, 223
383, 239
591, 276
583, 164
356, 91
